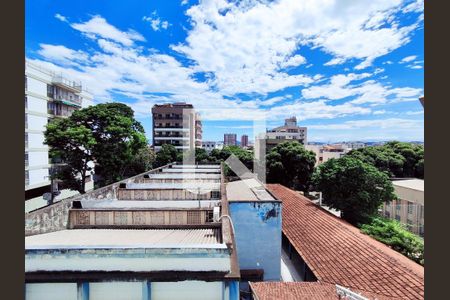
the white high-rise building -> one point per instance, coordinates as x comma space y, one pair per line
47, 95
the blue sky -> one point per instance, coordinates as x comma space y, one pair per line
348, 70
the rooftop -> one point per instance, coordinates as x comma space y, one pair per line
338, 253
175, 185
300, 290
413, 184
117, 238
247, 190
148, 204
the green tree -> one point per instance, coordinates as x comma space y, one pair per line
106, 133
394, 234
354, 187
74, 144
167, 154
290, 164
143, 161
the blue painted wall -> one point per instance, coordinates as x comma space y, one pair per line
258, 236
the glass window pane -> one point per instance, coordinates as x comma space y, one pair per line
198, 290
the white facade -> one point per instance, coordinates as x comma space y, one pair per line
47, 96
208, 146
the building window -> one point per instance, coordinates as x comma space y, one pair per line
26, 102
27, 177
50, 91
26, 159
215, 195
26, 140
409, 224
397, 205
410, 207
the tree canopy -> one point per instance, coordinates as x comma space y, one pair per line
167, 154
105, 133
397, 159
395, 235
354, 187
290, 164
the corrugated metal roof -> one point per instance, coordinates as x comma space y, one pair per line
139, 238
196, 166
183, 176
190, 170
147, 204
175, 185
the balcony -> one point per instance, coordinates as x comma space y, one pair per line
64, 83
68, 101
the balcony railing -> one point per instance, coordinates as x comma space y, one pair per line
65, 83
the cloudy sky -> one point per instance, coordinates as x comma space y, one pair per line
347, 69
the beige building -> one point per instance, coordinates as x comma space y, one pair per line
289, 132
326, 152
410, 206
176, 124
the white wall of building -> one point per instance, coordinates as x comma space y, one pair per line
35, 104
36, 140
37, 122
51, 291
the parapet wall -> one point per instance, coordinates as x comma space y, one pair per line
55, 217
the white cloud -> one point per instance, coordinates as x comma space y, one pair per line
408, 59
388, 62
62, 54
98, 27
415, 66
61, 18
184, 2
379, 112
368, 91
155, 22
246, 45
390, 123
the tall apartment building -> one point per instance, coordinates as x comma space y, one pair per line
244, 141
47, 95
290, 131
229, 139
176, 124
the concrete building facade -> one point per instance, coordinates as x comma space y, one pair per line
229, 139
208, 146
244, 141
409, 208
289, 132
176, 124
47, 95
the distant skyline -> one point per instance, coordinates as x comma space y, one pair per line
348, 70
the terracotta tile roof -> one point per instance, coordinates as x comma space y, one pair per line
301, 290
338, 253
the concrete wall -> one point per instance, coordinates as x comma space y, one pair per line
190, 289
258, 236
56, 216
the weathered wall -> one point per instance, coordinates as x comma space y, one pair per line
258, 236
55, 217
